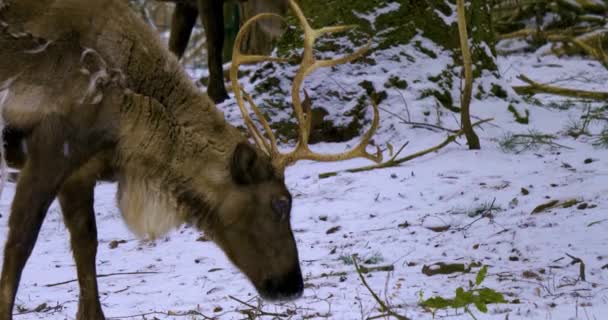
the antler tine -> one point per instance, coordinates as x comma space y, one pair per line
303, 152
310, 64
344, 59
302, 109
271, 149
239, 58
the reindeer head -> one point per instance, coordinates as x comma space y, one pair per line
256, 232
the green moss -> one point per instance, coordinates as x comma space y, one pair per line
480, 92
424, 50
443, 96
377, 96
395, 82
284, 130
498, 91
518, 117
271, 85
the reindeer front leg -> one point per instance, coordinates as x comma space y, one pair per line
212, 16
41, 177
76, 200
182, 22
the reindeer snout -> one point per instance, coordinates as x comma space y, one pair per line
287, 287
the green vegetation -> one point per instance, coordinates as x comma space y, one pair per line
476, 296
518, 117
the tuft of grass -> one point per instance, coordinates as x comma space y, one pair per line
373, 258
601, 140
519, 118
346, 259
532, 141
483, 208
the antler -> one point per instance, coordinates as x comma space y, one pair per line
302, 108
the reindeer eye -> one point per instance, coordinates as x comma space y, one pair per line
281, 206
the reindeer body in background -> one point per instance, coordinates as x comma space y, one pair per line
88, 93
212, 17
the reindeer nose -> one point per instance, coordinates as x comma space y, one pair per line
287, 287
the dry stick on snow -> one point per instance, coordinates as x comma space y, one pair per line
535, 87
259, 310
393, 162
102, 276
384, 308
465, 101
364, 269
545, 34
422, 125
576, 260
168, 313
584, 42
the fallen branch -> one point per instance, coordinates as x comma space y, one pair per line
102, 276
259, 310
534, 87
384, 308
364, 269
545, 34
42, 308
414, 124
445, 268
165, 313
393, 162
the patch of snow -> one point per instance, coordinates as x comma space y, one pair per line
397, 216
372, 16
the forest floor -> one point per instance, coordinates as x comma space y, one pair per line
454, 206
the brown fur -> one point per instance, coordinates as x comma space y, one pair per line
88, 93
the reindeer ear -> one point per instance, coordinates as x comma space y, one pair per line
243, 163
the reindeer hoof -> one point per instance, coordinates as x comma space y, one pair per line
217, 94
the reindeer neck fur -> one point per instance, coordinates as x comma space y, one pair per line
172, 174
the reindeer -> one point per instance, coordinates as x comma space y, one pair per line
212, 17
89, 93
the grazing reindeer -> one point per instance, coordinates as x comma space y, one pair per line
88, 93
212, 17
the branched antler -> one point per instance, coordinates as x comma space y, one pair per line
301, 108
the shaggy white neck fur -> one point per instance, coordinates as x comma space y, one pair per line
147, 211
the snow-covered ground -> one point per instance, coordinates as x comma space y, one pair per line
452, 206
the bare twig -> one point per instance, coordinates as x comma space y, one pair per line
259, 310
384, 307
393, 162
576, 260
546, 34
165, 313
102, 276
364, 269
486, 214
417, 124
